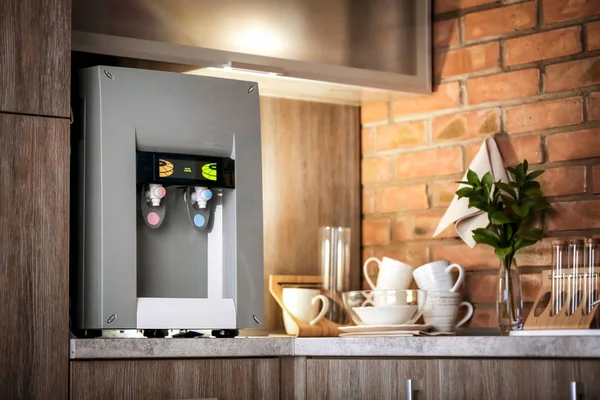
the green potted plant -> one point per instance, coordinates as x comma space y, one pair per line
513, 210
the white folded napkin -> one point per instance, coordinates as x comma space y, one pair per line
488, 159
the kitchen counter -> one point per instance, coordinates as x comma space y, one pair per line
455, 346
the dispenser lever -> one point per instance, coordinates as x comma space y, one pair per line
152, 206
200, 215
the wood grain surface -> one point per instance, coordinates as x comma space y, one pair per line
35, 45
381, 379
225, 379
517, 379
311, 160
34, 257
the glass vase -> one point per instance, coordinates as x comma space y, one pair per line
509, 302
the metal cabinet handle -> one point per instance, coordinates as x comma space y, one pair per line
413, 387
576, 391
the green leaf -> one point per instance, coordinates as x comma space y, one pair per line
472, 178
539, 204
499, 218
464, 183
522, 210
503, 252
486, 236
506, 188
464, 192
532, 234
482, 205
521, 243
512, 171
520, 174
488, 181
525, 167
534, 175
508, 232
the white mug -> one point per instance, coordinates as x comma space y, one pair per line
392, 275
303, 304
440, 311
436, 276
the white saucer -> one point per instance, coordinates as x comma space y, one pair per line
383, 328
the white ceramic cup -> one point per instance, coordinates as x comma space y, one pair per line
304, 305
440, 311
437, 276
392, 274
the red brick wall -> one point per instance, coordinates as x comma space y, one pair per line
528, 71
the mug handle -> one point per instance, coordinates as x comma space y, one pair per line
469, 313
366, 270
461, 276
324, 310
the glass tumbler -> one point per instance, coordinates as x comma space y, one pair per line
334, 263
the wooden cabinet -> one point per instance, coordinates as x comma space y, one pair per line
35, 45
369, 379
450, 379
224, 379
34, 257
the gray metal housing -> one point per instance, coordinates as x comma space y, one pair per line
125, 110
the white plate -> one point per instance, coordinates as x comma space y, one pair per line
383, 328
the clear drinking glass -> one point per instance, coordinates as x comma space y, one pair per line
590, 279
575, 264
334, 263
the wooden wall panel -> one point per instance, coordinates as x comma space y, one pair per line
311, 178
34, 258
225, 379
35, 45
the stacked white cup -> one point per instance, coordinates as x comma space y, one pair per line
443, 301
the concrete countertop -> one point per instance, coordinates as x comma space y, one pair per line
456, 346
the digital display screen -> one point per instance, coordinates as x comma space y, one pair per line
175, 168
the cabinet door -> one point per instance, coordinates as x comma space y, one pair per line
369, 379
223, 379
34, 257
507, 379
35, 46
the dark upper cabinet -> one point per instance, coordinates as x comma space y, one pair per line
35, 45
34, 257
375, 45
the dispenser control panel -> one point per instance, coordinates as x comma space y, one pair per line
183, 169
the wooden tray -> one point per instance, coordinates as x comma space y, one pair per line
322, 328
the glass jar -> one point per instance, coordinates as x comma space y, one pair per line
509, 301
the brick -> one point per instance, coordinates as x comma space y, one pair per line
421, 226
442, 6
483, 318
390, 137
401, 198
574, 215
596, 178
442, 192
563, 181
538, 255
544, 114
368, 201
366, 139
415, 255
574, 145
483, 288
436, 162
507, 86
375, 170
499, 21
563, 10
572, 74
594, 106
513, 150
446, 96
466, 125
542, 46
445, 33
374, 112
593, 35
477, 258
466, 60
376, 232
